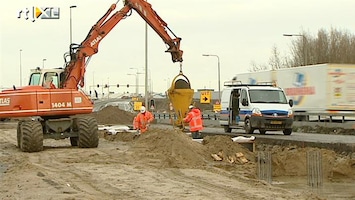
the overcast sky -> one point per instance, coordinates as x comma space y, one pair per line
238, 31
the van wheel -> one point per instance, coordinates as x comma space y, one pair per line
247, 127
262, 131
287, 131
227, 129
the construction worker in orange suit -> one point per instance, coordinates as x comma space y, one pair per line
142, 121
195, 122
49, 83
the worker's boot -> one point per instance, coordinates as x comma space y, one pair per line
196, 135
136, 134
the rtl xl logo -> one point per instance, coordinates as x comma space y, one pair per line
39, 12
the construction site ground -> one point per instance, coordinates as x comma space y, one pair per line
164, 163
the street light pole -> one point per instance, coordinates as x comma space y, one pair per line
71, 25
20, 68
219, 75
303, 43
137, 79
136, 82
43, 62
146, 67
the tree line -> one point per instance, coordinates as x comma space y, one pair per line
334, 46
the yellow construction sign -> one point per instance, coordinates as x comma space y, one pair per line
205, 97
217, 107
137, 105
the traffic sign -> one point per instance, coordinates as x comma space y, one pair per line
205, 97
217, 107
137, 105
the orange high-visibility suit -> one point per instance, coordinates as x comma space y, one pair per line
194, 119
142, 120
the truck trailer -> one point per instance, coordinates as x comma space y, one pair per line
326, 90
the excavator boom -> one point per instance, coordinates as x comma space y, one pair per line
75, 69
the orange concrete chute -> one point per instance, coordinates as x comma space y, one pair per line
180, 95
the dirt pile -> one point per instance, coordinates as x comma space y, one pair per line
292, 161
175, 149
166, 147
113, 115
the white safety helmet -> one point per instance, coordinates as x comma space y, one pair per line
142, 109
191, 106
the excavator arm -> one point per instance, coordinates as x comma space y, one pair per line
144, 9
80, 55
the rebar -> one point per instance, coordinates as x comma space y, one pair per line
314, 169
264, 166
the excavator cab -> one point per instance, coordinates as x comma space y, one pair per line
42, 77
180, 95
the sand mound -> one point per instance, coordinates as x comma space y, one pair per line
173, 147
113, 115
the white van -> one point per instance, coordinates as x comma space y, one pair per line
259, 106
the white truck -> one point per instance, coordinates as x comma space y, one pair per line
262, 107
323, 90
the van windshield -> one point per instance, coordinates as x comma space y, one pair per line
267, 96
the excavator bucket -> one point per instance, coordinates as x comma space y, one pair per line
180, 95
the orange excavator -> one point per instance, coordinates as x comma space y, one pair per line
53, 104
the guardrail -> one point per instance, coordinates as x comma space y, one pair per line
306, 117
325, 116
207, 116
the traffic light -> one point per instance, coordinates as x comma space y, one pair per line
127, 85
118, 85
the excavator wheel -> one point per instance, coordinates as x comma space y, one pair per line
31, 139
88, 136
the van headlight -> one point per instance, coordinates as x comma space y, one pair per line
256, 112
290, 113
